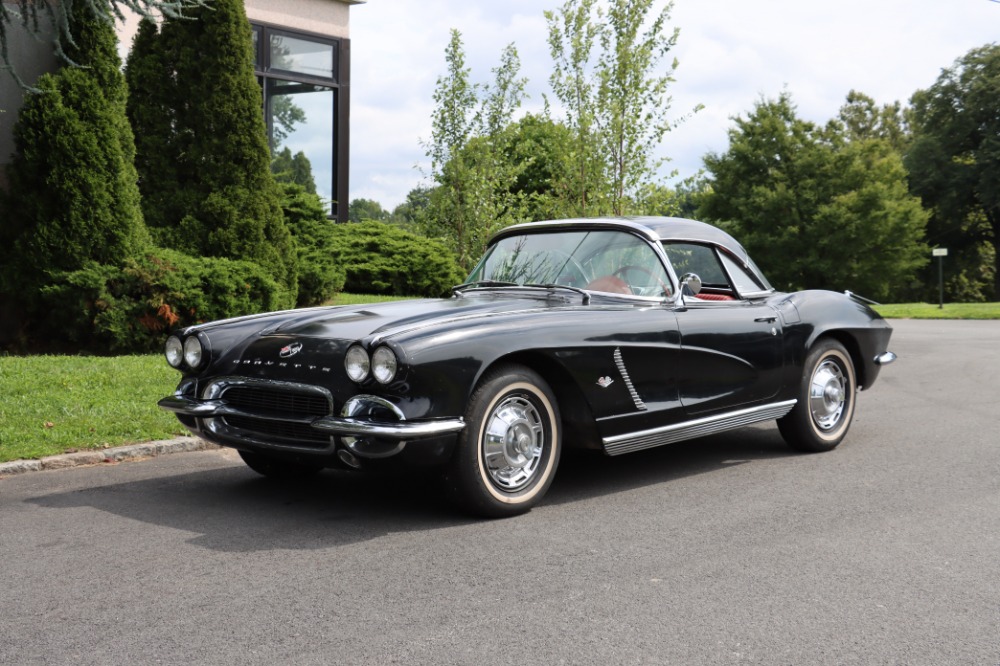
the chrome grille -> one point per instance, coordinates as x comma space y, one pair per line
270, 412
270, 401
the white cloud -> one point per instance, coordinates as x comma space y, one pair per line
731, 53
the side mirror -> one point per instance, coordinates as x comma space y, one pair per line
690, 284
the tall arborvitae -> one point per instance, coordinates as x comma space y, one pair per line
73, 197
210, 163
150, 112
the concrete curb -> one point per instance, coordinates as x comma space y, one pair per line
113, 455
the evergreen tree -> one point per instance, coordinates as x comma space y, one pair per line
73, 197
152, 118
213, 165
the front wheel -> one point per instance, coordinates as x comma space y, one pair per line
509, 450
821, 417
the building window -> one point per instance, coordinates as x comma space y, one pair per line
303, 79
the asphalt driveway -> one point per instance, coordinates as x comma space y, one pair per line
724, 550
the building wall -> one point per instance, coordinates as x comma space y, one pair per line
324, 17
31, 56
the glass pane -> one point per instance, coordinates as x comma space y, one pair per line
293, 54
302, 139
699, 260
606, 261
745, 283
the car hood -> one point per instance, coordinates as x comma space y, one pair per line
385, 319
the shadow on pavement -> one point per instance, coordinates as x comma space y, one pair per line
232, 509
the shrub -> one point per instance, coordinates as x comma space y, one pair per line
381, 259
132, 308
321, 275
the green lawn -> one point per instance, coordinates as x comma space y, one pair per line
933, 311
55, 404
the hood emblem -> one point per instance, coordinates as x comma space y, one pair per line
290, 350
605, 382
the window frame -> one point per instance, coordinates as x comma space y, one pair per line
338, 82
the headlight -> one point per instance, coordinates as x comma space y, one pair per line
193, 352
384, 365
357, 364
174, 351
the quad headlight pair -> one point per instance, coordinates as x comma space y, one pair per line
381, 365
190, 352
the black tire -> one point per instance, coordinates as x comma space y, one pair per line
508, 452
274, 468
821, 417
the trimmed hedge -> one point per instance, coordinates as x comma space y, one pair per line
103, 308
379, 258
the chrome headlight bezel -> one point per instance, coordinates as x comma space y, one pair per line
384, 365
173, 350
357, 364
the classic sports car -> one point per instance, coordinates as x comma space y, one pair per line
611, 334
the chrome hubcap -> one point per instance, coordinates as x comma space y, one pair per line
828, 395
512, 443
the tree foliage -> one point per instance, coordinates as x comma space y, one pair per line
61, 16
610, 78
954, 165
468, 150
361, 210
202, 149
816, 207
73, 197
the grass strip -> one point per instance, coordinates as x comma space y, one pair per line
933, 311
57, 404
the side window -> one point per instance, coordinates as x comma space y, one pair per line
699, 259
744, 281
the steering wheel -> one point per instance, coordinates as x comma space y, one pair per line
569, 261
620, 273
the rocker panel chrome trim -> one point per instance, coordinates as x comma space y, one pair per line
709, 425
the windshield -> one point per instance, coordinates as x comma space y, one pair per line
605, 261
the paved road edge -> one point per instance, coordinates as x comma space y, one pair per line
111, 455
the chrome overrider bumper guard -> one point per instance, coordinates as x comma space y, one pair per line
885, 359
345, 425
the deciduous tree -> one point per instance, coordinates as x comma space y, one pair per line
816, 208
611, 77
954, 166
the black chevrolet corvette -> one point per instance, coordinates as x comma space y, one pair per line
612, 334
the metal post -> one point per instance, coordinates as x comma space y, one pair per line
940, 253
940, 283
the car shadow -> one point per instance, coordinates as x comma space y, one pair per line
588, 474
232, 509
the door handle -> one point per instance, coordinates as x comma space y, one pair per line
766, 320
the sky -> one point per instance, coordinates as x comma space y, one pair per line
731, 53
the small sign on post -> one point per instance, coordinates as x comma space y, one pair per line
940, 253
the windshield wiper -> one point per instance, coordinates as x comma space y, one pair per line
482, 284
585, 294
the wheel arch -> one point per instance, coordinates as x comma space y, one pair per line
578, 424
853, 347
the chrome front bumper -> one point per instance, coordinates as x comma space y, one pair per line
346, 425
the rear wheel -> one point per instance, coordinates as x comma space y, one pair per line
509, 450
275, 468
821, 417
